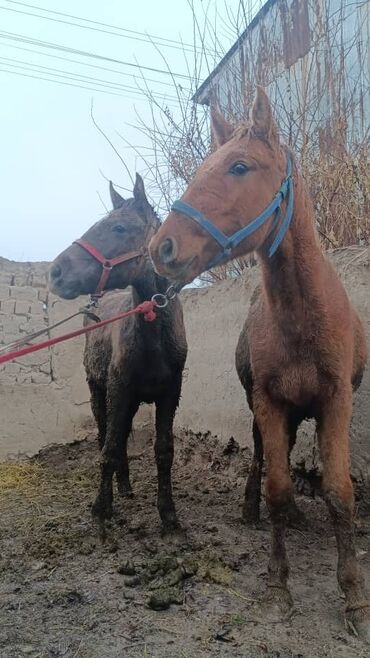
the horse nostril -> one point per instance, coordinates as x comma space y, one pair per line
167, 250
56, 272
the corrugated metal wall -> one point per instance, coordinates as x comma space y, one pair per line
313, 57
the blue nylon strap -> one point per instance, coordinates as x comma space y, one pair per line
197, 216
286, 222
228, 243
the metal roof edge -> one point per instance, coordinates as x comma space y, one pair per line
264, 9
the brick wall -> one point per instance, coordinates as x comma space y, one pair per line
44, 397
24, 309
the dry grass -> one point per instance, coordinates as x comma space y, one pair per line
21, 477
339, 182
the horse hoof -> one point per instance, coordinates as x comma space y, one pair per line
358, 622
172, 528
277, 605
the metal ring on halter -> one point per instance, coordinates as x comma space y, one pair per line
160, 300
171, 293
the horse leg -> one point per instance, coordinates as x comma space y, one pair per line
165, 411
273, 426
252, 495
296, 518
122, 471
119, 418
98, 394
333, 433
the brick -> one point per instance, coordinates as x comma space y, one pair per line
10, 368
7, 307
4, 291
31, 324
36, 308
36, 359
23, 293
22, 308
40, 378
21, 279
24, 377
38, 282
46, 368
6, 278
43, 295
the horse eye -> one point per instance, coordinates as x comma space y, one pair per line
239, 169
118, 228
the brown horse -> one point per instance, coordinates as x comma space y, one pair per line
302, 348
130, 361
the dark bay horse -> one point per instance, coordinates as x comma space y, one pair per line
130, 361
302, 349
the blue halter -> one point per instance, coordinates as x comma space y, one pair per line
228, 243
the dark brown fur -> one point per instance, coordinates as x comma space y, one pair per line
130, 361
303, 347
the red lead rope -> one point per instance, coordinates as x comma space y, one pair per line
146, 309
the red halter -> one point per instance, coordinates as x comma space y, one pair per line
108, 264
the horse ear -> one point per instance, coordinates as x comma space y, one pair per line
263, 123
221, 128
139, 193
117, 200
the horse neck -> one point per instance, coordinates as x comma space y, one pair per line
147, 284
292, 278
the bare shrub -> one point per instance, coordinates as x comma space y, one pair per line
334, 159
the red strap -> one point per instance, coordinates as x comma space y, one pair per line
146, 309
91, 250
108, 264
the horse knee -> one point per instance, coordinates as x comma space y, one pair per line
338, 494
279, 494
110, 459
164, 452
340, 501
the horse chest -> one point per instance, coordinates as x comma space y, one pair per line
290, 373
297, 383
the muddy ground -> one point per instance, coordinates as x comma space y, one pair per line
65, 595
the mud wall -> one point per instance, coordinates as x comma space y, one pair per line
44, 398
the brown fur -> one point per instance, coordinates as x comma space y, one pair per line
130, 361
302, 348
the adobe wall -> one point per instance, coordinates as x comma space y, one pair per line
44, 397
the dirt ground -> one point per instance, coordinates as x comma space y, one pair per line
65, 595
